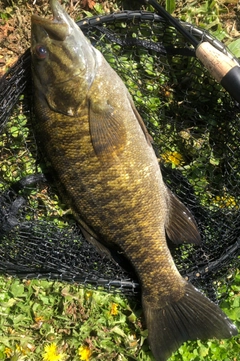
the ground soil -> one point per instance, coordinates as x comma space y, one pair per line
15, 20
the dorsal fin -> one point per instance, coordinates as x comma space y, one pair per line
181, 226
140, 121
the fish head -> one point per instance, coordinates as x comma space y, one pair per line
63, 61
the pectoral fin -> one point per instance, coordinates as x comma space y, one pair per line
181, 226
108, 133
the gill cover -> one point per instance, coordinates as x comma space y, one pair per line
63, 59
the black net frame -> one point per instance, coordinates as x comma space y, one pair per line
193, 119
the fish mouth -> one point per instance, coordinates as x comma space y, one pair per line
59, 13
57, 28
63, 39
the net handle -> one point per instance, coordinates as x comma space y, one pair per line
219, 65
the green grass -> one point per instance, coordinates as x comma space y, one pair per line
37, 314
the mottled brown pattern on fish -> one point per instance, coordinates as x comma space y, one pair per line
123, 206
69, 146
101, 157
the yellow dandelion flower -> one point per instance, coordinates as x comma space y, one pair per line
173, 157
8, 352
21, 350
226, 202
51, 353
114, 309
11, 330
84, 353
88, 295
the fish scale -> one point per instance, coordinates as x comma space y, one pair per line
105, 168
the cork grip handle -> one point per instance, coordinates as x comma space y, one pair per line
224, 69
217, 63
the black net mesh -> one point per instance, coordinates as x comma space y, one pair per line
196, 130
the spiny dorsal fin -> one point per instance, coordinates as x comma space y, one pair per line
140, 121
181, 226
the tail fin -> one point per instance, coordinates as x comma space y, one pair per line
193, 317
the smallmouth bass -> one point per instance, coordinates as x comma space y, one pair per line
101, 157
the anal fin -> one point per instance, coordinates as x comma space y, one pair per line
115, 255
102, 250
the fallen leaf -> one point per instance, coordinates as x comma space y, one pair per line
88, 4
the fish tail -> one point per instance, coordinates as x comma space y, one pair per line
192, 317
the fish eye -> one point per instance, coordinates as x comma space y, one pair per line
41, 51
